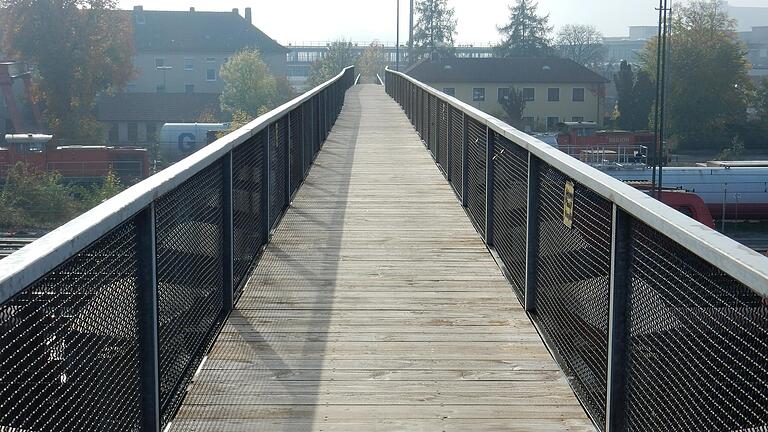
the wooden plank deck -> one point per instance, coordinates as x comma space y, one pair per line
377, 307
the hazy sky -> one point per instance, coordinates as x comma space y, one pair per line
365, 20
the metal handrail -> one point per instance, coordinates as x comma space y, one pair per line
380, 81
30, 263
740, 262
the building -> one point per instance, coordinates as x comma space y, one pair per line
756, 41
555, 89
178, 58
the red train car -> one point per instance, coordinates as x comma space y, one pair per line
584, 141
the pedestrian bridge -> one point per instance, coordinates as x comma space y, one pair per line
372, 257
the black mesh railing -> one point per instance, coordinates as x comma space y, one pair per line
104, 322
442, 138
432, 134
657, 328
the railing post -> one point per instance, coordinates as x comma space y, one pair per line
266, 187
149, 359
489, 143
532, 233
287, 144
449, 144
228, 237
464, 159
428, 128
620, 286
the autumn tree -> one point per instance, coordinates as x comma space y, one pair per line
708, 86
249, 87
79, 48
434, 29
527, 34
582, 44
338, 56
372, 62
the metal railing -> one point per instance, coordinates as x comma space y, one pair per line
659, 322
104, 321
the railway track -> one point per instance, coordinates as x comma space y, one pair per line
9, 245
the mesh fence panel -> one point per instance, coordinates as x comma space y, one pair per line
307, 132
295, 151
433, 125
69, 343
573, 284
510, 209
278, 151
189, 222
247, 218
457, 149
476, 148
442, 142
698, 343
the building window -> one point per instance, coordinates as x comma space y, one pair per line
189, 88
113, 133
529, 94
578, 95
131, 88
152, 132
159, 62
578, 119
210, 75
210, 59
503, 94
552, 122
553, 94
133, 132
160, 88
478, 94
763, 52
189, 64
528, 123
450, 91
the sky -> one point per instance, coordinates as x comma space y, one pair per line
303, 21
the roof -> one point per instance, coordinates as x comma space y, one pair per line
195, 31
504, 70
158, 107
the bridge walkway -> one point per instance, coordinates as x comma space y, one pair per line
377, 307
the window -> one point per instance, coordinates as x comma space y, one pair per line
189, 88
578, 95
478, 94
450, 91
160, 88
210, 75
528, 123
763, 52
578, 119
152, 132
133, 132
159, 62
189, 64
210, 59
553, 94
552, 122
113, 133
131, 88
503, 94
529, 94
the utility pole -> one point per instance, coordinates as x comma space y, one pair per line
410, 37
397, 39
665, 14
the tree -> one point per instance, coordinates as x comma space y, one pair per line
35, 199
249, 87
372, 62
434, 29
708, 87
79, 48
514, 105
526, 34
636, 96
582, 44
338, 56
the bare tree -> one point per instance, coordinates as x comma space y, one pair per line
582, 44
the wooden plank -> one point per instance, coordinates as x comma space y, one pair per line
378, 307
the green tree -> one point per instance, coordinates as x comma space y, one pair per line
338, 56
434, 29
372, 62
526, 34
636, 96
35, 199
91, 196
708, 87
249, 87
79, 48
514, 105
582, 44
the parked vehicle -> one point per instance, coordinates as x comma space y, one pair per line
179, 140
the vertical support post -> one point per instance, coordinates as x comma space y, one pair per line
428, 128
228, 237
149, 358
464, 160
618, 336
449, 144
489, 143
532, 233
287, 144
303, 141
266, 187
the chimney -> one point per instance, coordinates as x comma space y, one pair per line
192, 9
235, 11
138, 14
248, 15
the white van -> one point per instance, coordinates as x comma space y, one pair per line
179, 140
